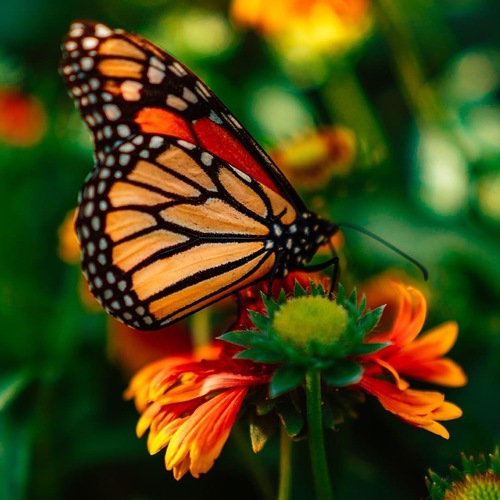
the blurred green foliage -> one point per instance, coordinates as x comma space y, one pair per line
427, 178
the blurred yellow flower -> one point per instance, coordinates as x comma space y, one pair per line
315, 25
310, 160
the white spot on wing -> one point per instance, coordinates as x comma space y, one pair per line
155, 76
131, 90
213, 116
176, 102
185, 144
102, 31
156, 142
89, 42
206, 158
112, 111
189, 95
154, 61
177, 69
123, 130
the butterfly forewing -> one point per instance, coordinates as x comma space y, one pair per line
183, 207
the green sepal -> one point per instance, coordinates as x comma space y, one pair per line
495, 461
291, 418
436, 486
265, 406
262, 428
261, 355
285, 379
341, 295
244, 338
343, 372
369, 321
363, 349
261, 321
298, 290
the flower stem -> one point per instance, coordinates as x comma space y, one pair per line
285, 484
316, 441
255, 467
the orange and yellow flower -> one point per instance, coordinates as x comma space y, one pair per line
413, 356
317, 25
189, 403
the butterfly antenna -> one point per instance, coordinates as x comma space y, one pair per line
388, 245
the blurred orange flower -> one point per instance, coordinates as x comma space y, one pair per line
132, 349
69, 248
23, 120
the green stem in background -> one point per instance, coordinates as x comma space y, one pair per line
257, 470
285, 484
414, 83
200, 329
409, 67
319, 464
349, 105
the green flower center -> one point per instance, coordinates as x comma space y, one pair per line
477, 487
305, 320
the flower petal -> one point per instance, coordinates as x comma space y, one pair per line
420, 408
199, 440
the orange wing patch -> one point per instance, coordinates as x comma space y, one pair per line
176, 159
214, 217
161, 121
123, 223
241, 191
147, 173
163, 273
123, 194
130, 253
120, 68
174, 304
120, 47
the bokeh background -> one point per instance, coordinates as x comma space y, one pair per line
385, 114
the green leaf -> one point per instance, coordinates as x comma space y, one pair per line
244, 338
261, 355
17, 424
285, 379
11, 386
344, 372
261, 430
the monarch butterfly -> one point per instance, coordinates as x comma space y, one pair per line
183, 207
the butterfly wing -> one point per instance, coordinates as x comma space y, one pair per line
183, 207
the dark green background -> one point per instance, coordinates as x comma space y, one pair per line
65, 431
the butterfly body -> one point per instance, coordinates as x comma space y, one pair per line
183, 207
